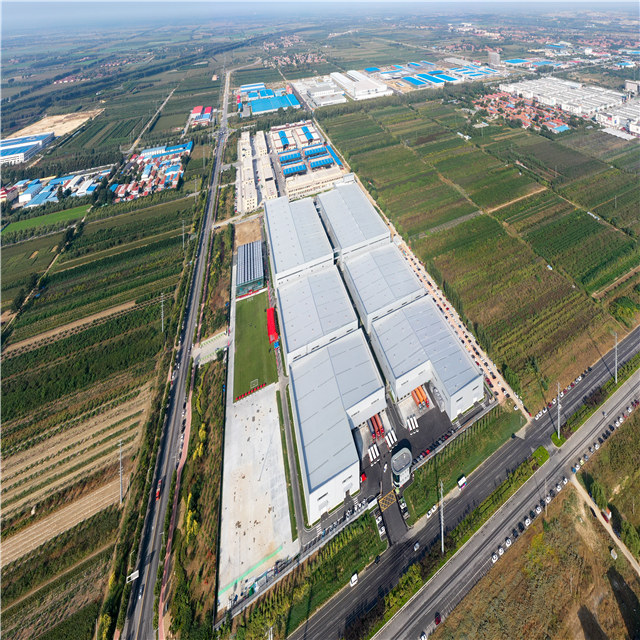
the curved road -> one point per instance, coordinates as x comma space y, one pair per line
329, 622
139, 620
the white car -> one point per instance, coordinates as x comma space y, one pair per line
500, 551
416, 546
538, 509
564, 480
494, 558
507, 542
382, 531
527, 521
537, 416
429, 514
547, 499
596, 445
558, 487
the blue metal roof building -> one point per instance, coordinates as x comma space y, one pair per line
268, 105
292, 170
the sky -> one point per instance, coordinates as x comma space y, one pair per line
22, 16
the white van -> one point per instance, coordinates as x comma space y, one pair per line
354, 580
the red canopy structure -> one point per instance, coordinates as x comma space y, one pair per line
271, 325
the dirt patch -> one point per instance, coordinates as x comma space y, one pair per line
34, 254
60, 124
46, 335
63, 519
249, 231
6, 316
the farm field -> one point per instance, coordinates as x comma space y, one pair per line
624, 154
617, 469
22, 261
254, 356
534, 320
79, 376
612, 194
557, 580
67, 215
539, 323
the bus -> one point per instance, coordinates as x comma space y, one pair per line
462, 483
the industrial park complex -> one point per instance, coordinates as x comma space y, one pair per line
323, 254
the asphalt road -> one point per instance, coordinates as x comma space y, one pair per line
139, 621
329, 622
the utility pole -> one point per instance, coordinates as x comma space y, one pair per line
615, 200
558, 403
183, 235
162, 311
441, 518
120, 444
615, 333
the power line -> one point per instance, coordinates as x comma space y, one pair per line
162, 311
441, 518
120, 444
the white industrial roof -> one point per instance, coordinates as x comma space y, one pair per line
313, 306
381, 277
418, 333
295, 232
351, 216
325, 384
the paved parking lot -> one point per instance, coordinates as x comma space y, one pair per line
255, 529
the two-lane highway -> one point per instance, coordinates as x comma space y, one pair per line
139, 621
329, 622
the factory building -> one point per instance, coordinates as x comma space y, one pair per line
250, 273
380, 281
267, 179
17, 150
34, 188
260, 142
571, 97
350, 219
297, 240
415, 345
334, 389
359, 86
315, 310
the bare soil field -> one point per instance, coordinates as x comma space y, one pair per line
60, 124
63, 519
249, 231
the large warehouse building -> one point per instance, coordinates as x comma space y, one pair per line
297, 240
17, 150
315, 310
359, 86
350, 219
334, 389
380, 281
415, 345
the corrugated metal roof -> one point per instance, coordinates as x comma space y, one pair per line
381, 277
250, 263
418, 333
325, 385
351, 216
312, 307
296, 234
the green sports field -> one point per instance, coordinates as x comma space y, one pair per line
254, 357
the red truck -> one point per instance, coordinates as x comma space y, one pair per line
159, 489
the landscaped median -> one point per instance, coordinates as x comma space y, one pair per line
420, 573
287, 473
460, 457
594, 400
295, 598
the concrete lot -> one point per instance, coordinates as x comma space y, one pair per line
255, 527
